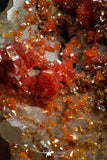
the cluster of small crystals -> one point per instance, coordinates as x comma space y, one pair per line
54, 79
67, 143
28, 54
18, 59
95, 66
90, 15
46, 19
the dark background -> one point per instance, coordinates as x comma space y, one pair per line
3, 5
4, 150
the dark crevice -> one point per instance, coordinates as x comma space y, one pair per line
64, 34
4, 150
3, 4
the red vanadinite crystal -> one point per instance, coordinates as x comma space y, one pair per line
14, 50
47, 84
18, 58
51, 77
84, 13
22, 55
